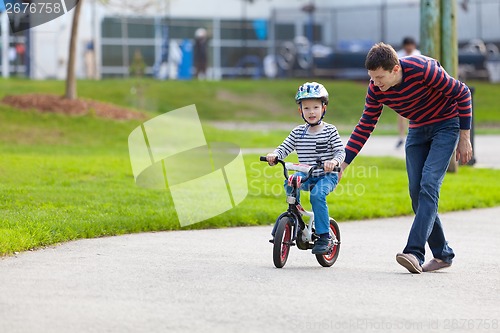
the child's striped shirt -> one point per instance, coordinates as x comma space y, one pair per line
325, 145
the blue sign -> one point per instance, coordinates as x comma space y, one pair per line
187, 60
260, 27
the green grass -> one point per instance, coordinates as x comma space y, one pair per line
246, 100
63, 178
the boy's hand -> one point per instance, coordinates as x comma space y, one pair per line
271, 158
329, 165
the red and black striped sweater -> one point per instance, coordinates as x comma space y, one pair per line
426, 95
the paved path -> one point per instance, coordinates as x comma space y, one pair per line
224, 281
486, 149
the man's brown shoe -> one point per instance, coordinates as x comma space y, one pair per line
410, 262
434, 265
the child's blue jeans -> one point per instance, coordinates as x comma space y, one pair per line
322, 186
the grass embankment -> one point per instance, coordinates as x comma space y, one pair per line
247, 101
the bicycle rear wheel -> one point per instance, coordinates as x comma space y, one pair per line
327, 260
282, 238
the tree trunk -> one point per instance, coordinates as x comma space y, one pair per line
430, 28
70, 76
449, 50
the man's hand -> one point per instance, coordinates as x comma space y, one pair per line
329, 165
343, 166
271, 158
464, 148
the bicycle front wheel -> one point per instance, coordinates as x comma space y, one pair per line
282, 239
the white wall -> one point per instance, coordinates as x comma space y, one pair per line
50, 45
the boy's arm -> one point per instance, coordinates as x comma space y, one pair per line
286, 147
338, 147
338, 151
365, 127
436, 77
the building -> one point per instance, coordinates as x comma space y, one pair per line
243, 32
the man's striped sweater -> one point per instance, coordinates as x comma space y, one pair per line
426, 95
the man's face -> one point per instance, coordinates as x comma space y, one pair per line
384, 79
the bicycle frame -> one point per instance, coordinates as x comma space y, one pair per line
295, 210
290, 229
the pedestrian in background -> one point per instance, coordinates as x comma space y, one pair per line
200, 53
409, 48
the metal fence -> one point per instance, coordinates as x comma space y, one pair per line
288, 42
294, 42
334, 41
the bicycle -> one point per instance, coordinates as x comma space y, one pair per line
290, 227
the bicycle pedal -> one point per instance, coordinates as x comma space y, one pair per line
271, 241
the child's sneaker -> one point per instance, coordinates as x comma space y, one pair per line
322, 245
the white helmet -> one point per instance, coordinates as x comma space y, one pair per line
312, 90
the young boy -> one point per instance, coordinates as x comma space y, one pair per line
314, 140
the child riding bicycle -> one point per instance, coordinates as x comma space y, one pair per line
315, 140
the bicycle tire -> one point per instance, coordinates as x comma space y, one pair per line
282, 237
327, 260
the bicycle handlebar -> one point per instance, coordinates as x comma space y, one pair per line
318, 165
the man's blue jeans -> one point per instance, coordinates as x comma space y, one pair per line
322, 186
428, 152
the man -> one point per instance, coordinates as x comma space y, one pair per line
200, 53
409, 49
439, 109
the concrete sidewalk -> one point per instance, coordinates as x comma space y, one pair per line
486, 149
223, 280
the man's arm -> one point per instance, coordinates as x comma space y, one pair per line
365, 126
436, 77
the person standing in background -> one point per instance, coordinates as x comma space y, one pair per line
200, 52
409, 49
90, 66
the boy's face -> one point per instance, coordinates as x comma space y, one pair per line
385, 79
312, 109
